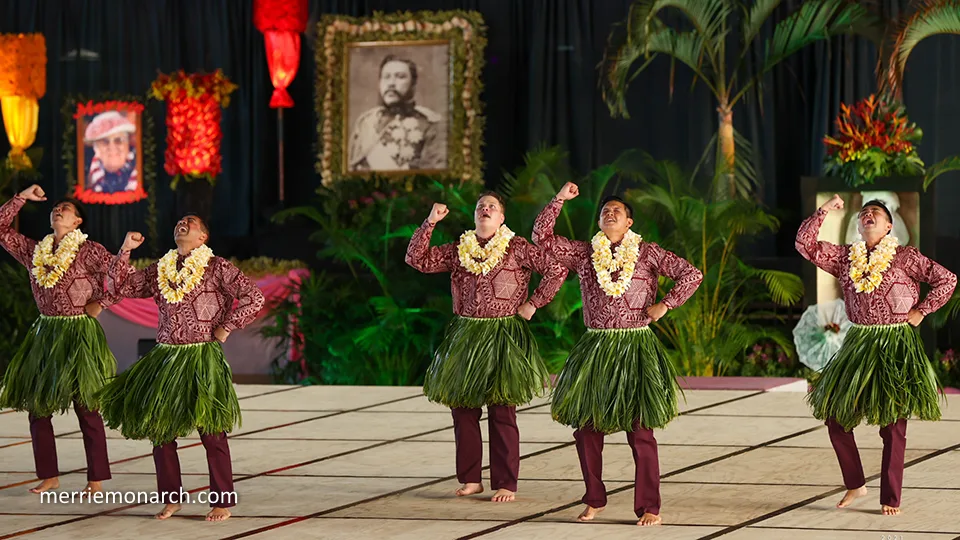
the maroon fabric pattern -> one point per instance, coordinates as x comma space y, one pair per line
497, 294
83, 282
899, 292
203, 310
629, 310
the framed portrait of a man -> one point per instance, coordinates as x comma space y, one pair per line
109, 152
398, 96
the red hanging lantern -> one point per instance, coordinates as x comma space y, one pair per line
282, 22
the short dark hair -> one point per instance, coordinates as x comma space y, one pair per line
614, 198
495, 195
879, 204
203, 222
77, 207
410, 65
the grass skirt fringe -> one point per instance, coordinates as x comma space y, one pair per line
171, 391
881, 373
481, 362
62, 359
615, 377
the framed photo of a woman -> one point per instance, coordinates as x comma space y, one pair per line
109, 152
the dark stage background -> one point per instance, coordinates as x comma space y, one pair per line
541, 88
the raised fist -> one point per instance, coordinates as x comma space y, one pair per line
438, 212
836, 203
34, 193
568, 191
132, 241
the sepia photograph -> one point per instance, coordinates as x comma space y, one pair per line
398, 106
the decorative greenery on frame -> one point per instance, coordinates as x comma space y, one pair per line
465, 31
148, 144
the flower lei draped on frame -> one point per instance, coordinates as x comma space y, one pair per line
867, 272
175, 285
605, 262
481, 260
50, 266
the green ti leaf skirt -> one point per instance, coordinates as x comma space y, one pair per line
492, 361
880, 374
615, 378
172, 391
62, 359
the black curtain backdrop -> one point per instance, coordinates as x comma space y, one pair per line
541, 89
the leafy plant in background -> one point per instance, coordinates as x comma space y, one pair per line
703, 46
769, 359
710, 332
18, 308
947, 367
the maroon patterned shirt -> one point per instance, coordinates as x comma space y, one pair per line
500, 292
899, 292
80, 285
209, 306
630, 310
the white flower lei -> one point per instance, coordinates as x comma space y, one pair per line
625, 259
867, 274
481, 260
175, 285
49, 267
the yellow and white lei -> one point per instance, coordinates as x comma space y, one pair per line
49, 267
867, 274
175, 285
625, 260
481, 260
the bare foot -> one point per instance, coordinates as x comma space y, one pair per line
649, 520
94, 487
168, 511
852, 495
218, 514
469, 489
589, 513
503, 495
46, 485
890, 510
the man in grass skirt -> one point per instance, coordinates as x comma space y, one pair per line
881, 373
489, 356
64, 359
183, 384
618, 376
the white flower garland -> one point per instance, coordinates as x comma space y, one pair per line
175, 285
481, 260
605, 262
867, 274
49, 267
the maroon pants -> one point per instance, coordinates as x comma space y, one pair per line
646, 491
218, 465
891, 472
504, 446
94, 445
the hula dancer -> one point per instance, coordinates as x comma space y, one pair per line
618, 376
489, 357
64, 359
183, 383
881, 373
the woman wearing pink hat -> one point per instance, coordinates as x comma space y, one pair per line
114, 165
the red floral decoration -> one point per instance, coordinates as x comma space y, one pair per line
282, 22
82, 193
194, 103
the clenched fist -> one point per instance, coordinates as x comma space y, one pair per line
836, 203
132, 241
568, 191
34, 193
438, 212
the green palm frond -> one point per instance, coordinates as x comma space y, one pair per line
744, 168
785, 288
816, 20
948, 312
934, 17
755, 17
947, 165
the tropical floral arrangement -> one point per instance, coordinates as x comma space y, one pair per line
874, 139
